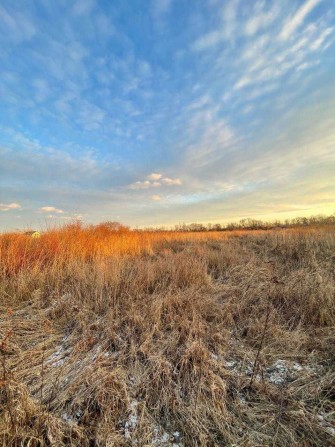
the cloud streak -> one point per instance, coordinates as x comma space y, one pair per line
155, 180
9, 206
294, 22
48, 209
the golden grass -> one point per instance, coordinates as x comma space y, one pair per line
158, 339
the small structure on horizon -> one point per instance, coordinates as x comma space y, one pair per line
34, 234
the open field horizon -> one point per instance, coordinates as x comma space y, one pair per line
246, 223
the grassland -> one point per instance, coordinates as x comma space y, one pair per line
121, 338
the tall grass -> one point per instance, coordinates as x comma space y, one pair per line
124, 338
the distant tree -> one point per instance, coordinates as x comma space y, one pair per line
111, 226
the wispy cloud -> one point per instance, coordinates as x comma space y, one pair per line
226, 31
242, 82
16, 25
208, 137
145, 184
229, 15
48, 209
155, 180
209, 40
322, 38
261, 19
171, 181
295, 21
9, 206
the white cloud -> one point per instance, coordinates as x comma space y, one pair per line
306, 65
153, 183
154, 176
230, 18
171, 181
9, 206
208, 40
262, 19
209, 136
156, 198
143, 185
319, 41
245, 80
227, 28
49, 209
298, 18
256, 48
265, 59
199, 103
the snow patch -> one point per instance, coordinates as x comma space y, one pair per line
161, 438
282, 371
60, 356
132, 421
230, 364
67, 417
278, 373
164, 439
72, 418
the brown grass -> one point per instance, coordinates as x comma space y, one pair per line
159, 339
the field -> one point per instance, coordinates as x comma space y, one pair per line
125, 338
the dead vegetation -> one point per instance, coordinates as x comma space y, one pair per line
167, 339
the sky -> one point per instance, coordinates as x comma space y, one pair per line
166, 111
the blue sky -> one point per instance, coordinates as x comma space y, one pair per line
166, 111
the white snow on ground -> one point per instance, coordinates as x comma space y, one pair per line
62, 353
70, 418
161, 438
60, 356
164, 439
282, 371
67, 417
131, 422
278, 373
230, 364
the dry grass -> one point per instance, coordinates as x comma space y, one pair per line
160, 339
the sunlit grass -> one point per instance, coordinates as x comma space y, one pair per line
123, 338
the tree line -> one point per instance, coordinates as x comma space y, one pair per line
251, 224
